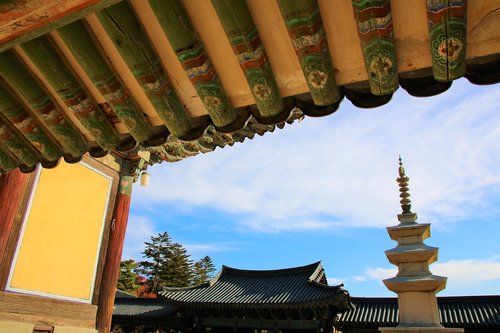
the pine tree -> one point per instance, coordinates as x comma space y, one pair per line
167, 264
181, 274
203, 270
127, 277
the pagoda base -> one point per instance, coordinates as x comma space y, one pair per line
423, 329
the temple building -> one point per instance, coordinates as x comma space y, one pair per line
94, 92
475, 314
296, 299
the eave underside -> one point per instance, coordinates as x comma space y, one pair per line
80, 76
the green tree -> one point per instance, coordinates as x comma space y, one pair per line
203, 270
167, 264
127, 277
180, 267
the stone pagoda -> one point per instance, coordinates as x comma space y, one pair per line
415, 285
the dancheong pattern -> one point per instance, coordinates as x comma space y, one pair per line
247, 46
305, 27
46, 58
191, 53
374, 22
133, 44
88, 55
448, 31
28, 126
16, 76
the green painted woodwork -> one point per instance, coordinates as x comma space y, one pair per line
374, 22
60, 77
16, 145
28, 126
191, 53
176, 150
124, 28
305, 27
17, 76
448, 37
41, 24
247, 46
88, 55
7, 163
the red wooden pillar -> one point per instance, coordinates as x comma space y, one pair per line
113, 255
12, 189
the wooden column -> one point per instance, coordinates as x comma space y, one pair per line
12, 189
113, 255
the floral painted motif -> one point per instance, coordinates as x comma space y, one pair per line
190, 51
305, 27
317, 78
375, 31
447, 31
450, 48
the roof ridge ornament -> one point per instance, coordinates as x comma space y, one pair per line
403, 179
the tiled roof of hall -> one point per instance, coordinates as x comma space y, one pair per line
237, 288
475, 313
181, 77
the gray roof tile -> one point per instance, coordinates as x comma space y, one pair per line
283, 287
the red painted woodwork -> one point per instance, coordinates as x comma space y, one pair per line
12, 188
113, 255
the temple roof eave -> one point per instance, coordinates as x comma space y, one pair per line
201, 81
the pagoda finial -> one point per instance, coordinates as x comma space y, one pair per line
403, 188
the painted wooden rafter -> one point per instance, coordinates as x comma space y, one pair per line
247, 46
123, 27
7, 163
448, 37
190, 51
305, 27
41, 106
89, 57
28, 126
16, 145
375, 31
23, 20
47, 59
175, 150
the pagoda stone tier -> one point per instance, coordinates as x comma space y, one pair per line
414, 283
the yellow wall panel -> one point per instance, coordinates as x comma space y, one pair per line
61, 236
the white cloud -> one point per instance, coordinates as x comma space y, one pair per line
339, 171
139, 230
459, 272
380, 273
200, 250
464, 272
335, 281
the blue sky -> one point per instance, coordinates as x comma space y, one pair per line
325, 189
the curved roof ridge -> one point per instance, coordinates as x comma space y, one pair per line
199, 286
318, 274
310, 267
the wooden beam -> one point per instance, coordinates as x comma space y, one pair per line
54, 69
28, 308
376, 34
12, 190
448, 38
90, 57
113, 255
24, 20
190, 51
28, 126
28, 89
305, 27
247, 46
123, 26
7, 163
13, 141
